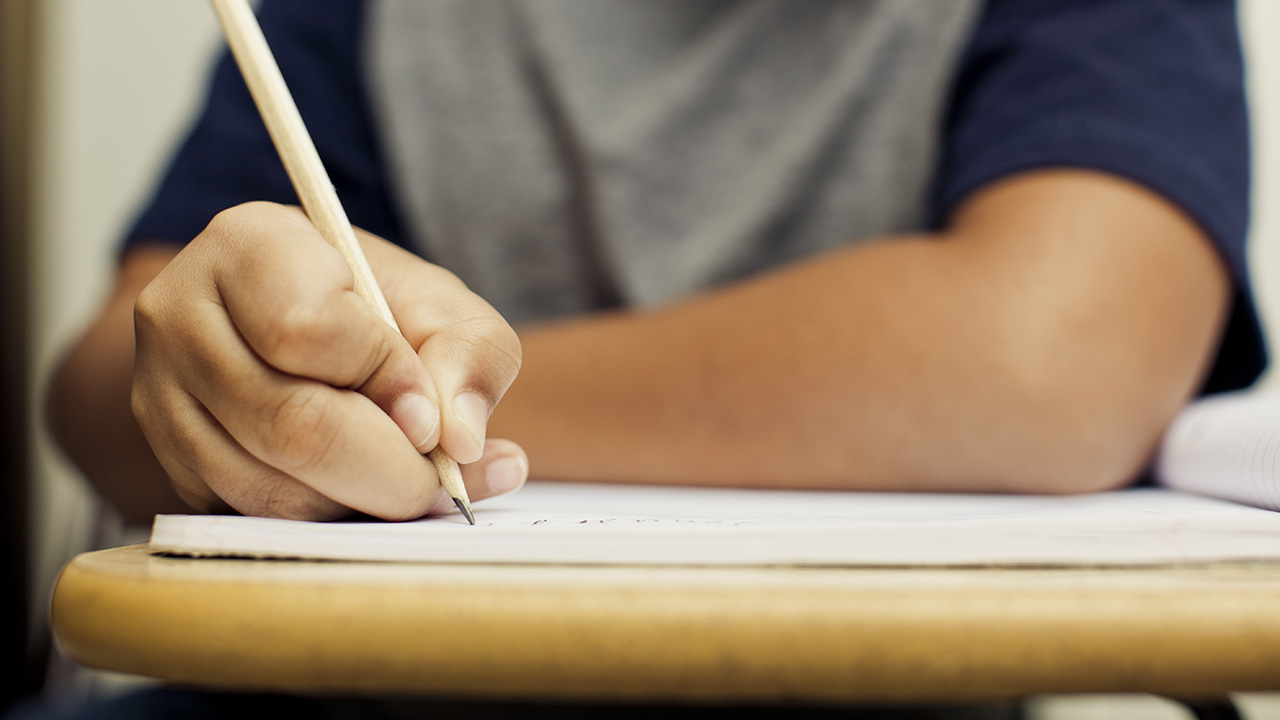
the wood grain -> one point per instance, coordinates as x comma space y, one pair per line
692, 634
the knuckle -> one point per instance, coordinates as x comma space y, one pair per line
165, 311
232, 220
281, 498
147, 310
193, 487
228, 223
303, 431
141, 406
371, 356
181, 450
236, 236
162, 424
490, 339
291, 337
183, 445
196, 494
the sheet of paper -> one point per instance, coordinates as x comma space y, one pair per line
1226, 446
612, 524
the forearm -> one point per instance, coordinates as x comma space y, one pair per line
1003, 355
89, 411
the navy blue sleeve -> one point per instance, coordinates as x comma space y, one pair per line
228, 157
1151, 90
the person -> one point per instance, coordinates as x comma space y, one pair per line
876, 245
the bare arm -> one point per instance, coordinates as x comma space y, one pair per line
88, 401
1040, 344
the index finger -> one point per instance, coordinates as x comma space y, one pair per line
470, 352
334, 440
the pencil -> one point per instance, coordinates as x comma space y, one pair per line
315, 190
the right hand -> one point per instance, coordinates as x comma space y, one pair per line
265, 385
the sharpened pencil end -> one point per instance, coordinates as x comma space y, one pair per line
465, 507
451, 480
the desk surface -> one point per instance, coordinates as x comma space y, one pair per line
672, 633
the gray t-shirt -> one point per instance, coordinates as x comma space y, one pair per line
569, 155
566, 155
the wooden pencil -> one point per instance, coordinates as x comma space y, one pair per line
315, 190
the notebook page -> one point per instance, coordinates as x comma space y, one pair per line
1226, 446
616, 524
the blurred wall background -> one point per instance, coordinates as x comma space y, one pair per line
115, 84
1260, 20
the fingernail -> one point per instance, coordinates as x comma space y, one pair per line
473, 411
417, 417
506, 475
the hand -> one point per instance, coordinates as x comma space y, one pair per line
264, 384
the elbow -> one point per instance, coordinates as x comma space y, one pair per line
1075, 466
1082, 437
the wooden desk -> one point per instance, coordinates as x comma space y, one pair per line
672, 633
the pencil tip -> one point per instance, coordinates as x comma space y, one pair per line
465, 507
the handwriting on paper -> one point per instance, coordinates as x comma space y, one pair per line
668, 522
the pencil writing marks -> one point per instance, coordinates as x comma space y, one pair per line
566, 521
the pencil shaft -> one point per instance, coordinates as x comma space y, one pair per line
298, 153
315, 190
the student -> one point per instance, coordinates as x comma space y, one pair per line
893, 244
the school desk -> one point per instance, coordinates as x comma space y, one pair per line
673, 633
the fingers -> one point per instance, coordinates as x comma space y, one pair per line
335, 441
291, 299
471, 354
471, 370
255, 322
213, 473
266, 385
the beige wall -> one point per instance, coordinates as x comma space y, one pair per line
1261, 21
119, 80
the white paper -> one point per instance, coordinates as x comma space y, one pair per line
571, 523
1226, 446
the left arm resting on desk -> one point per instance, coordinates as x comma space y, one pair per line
1040, 343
